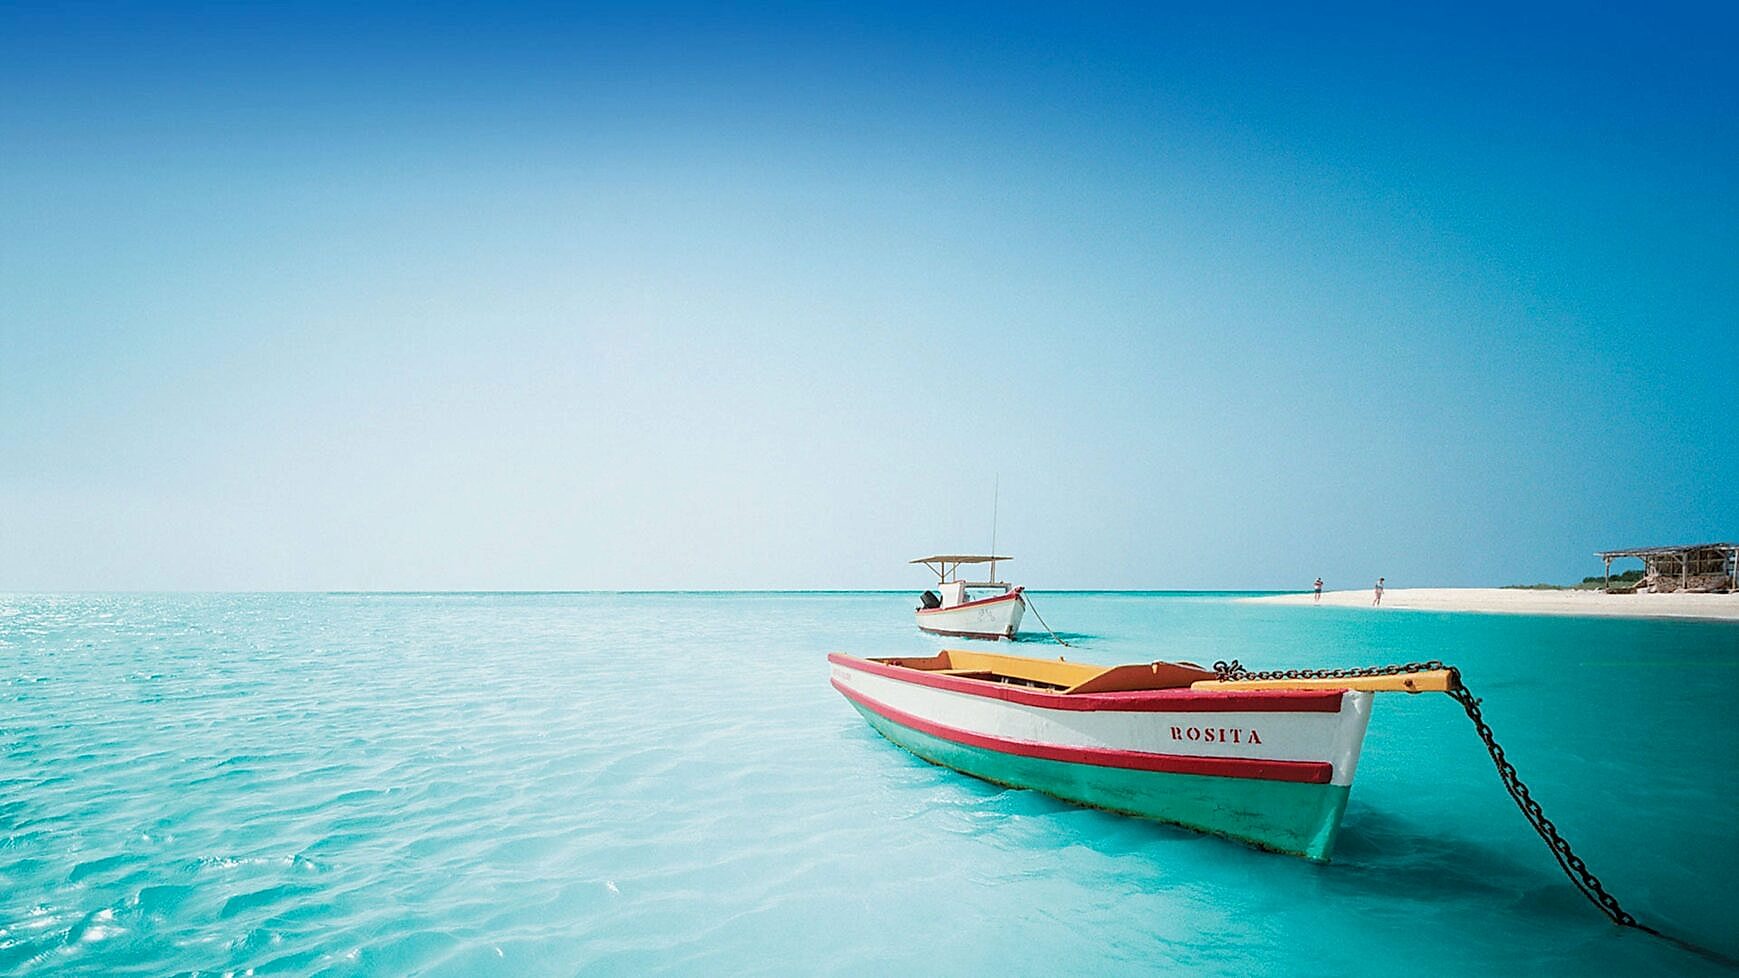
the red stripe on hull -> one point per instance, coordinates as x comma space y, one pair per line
1139, 701
1303, 772
938, 631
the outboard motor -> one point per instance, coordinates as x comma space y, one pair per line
928, 600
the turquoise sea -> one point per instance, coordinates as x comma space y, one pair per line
665, 784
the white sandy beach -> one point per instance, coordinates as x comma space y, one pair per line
1516, 601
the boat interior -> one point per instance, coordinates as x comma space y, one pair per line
1060, 676
954, 590
1055, 675
955, 593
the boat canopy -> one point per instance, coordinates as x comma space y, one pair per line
945, 565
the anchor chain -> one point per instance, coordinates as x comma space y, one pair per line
1235, 670
1573, 866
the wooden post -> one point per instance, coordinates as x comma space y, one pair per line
1684, 570
1609, 573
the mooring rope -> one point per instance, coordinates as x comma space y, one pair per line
1586, 882
1041, 618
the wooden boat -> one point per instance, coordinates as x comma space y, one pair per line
1267, 762
958, 608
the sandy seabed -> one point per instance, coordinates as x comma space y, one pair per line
1519, 601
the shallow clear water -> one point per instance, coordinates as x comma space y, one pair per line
638, 784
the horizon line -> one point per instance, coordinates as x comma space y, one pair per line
561, 591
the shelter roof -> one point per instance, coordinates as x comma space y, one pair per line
1655, 551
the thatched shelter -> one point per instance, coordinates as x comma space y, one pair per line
1699, 567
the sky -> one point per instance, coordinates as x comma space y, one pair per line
517, 296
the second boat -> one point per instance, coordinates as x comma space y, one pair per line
989, 608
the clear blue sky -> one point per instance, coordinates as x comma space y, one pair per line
523, 296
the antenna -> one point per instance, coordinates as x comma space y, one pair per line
995, 497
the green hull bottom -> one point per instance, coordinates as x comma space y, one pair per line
1284, 816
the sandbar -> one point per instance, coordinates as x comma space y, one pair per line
1523, 601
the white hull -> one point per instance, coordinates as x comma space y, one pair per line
993, 618
1333, 737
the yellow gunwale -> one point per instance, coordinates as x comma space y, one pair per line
1080, 677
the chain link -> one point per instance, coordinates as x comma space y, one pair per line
1573, 866
1235, 670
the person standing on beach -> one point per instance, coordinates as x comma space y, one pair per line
1319, 590
1379, 598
